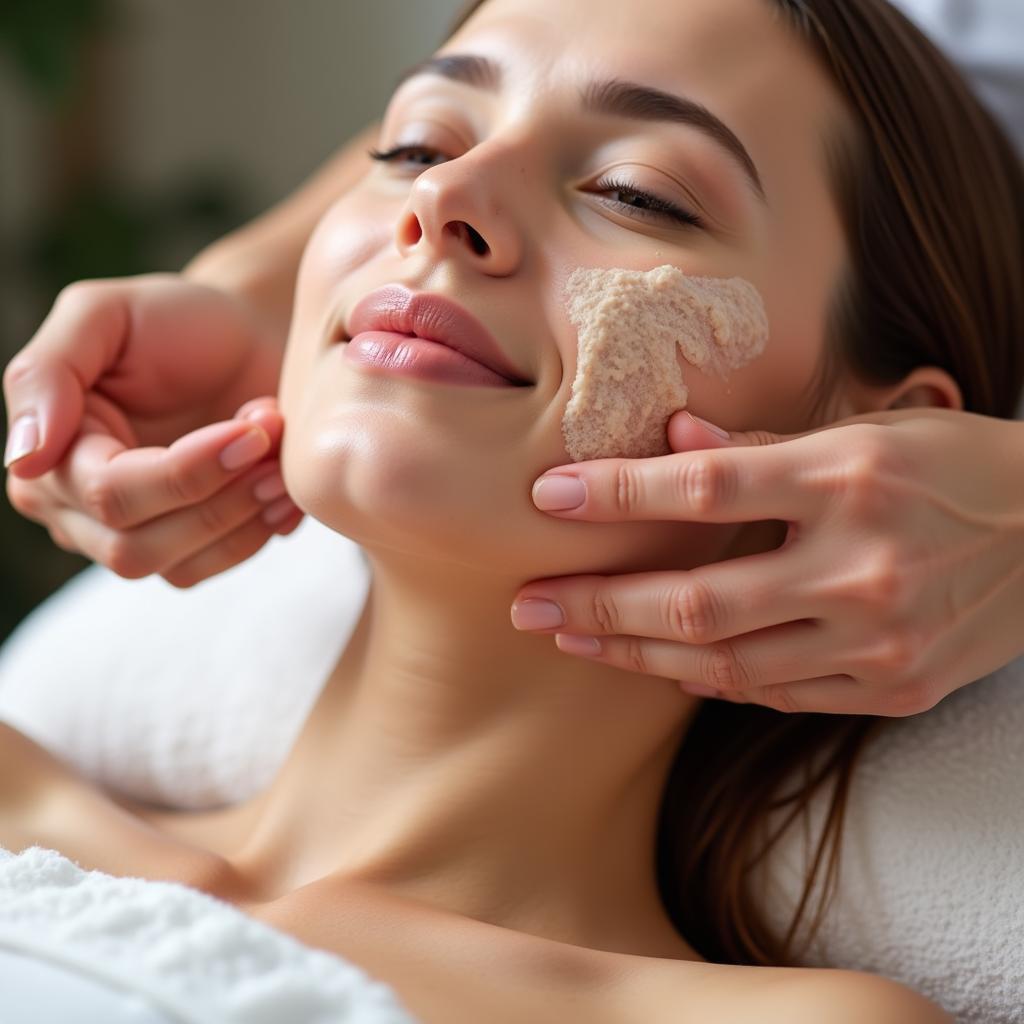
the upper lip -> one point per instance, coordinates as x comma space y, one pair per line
433, 318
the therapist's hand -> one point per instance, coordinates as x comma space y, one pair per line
901, 577
139, 431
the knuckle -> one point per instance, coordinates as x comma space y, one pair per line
76, 294
17, 370
897, 656
780, 698
180, 484
63, 541
882, 581
910, 698
628, 489
724, 670
636, 657
212, 518
122, 556
689, 612
605, 611
868, 472
24, 498
103, 501
702, 484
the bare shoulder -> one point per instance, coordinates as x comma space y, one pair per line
682, 991
852, 997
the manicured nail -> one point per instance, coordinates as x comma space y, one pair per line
245, 449
537, 614
279, 511
585, 646
22, 440
269, 488
717, 431
559, 493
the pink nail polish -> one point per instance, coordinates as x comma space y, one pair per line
584, 646
559, 493
717, 431
23, 439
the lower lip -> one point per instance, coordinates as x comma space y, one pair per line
405, 355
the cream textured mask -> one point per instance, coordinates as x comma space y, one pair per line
635, 329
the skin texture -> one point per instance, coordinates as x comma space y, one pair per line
640, 335
446, 747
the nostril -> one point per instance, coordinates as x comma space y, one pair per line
466, 232
480, 247
411, 231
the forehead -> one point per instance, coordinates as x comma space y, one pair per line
739, 58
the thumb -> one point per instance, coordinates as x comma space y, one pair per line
44, 412
687, 432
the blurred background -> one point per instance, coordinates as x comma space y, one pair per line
135, 132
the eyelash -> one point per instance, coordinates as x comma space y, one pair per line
656, 208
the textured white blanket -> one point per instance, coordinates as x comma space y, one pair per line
162, 951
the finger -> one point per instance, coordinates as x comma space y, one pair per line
48, 378
748, 664
230, 550
728, 485
160, 544
265, 413
711, 603
833, 695
126, 487
686, 432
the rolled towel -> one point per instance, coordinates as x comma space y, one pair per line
179, 954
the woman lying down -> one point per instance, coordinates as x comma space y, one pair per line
586, 215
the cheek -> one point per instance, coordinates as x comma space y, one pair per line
412, 476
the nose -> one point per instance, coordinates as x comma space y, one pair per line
454, 211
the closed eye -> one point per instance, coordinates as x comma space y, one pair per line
637, 203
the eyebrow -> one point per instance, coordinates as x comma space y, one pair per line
614, 96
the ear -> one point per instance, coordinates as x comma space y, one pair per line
924, 387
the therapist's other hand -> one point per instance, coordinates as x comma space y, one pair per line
901, 577
115, 398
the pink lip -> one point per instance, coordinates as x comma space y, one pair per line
396, 309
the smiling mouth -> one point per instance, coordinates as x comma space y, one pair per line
431, 318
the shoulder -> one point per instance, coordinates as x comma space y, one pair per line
770, 995
851, 997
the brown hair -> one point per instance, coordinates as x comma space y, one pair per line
931, 195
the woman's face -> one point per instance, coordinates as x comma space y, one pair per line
550, 184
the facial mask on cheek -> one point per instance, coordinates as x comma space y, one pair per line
633, 327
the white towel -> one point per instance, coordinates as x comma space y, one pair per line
932, 873
194, 697
164, 948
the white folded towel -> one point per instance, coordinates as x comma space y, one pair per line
160, 948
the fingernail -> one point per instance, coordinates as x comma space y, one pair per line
717, 431
537, 614
269, 488
586, 646
248, 448
559, 493
279, 511
22, 440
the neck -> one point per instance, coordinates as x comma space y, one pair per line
480, 769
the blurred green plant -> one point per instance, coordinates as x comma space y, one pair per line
44, 39
91, 229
